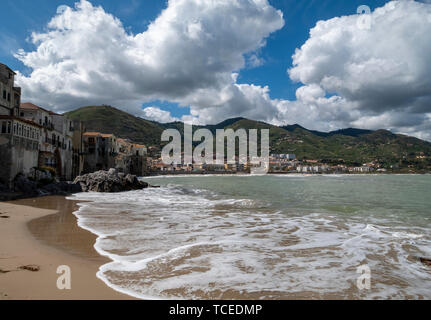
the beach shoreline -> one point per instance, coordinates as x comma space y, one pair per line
42, 233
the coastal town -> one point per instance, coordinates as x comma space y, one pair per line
43, 145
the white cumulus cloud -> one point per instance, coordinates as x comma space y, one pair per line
157, 114
85, 56
192, 54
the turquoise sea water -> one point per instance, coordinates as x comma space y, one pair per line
266, 237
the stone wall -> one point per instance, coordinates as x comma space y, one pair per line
18, 155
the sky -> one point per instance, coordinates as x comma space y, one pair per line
317, 63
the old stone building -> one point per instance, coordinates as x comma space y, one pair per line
56, 140
19, 148
19, 138
78, 149
105, 151
100, 151
10, 96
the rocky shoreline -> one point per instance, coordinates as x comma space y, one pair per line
110, 181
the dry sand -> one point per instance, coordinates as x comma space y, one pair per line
43, 232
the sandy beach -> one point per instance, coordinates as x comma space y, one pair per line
42, 234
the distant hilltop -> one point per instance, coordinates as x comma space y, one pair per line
350, 146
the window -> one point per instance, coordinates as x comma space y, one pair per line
9, 127
4, 94
3, 127
14, 128
8, 97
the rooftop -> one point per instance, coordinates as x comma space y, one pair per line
31, 106
91, 134
5, 66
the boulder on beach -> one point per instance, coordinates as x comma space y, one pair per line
23, 185
109, 181
61, 188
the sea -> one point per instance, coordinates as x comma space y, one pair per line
265, 237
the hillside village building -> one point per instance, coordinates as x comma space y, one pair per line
55, 145
100, 151
10, 96
19, 138
105, 151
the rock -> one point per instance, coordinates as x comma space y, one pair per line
22, 185
109, 181
112, 172
61, 188
32, 268
426, 261
4, 188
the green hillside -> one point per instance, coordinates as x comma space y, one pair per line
348, 146
107, 119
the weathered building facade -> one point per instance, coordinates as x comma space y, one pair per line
56, 141
100, 151
19, 147
105, 151
78, 149
10, 96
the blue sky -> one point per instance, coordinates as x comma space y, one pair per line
21, 17
195, 63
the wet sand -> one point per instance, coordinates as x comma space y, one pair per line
43, 233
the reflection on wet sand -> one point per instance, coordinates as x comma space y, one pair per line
60, 230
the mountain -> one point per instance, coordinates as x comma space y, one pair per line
106, 119
349, 146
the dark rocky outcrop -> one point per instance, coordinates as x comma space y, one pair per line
425, 261
101, 181
61, 188
109, 181
26, 188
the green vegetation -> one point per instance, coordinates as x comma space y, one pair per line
351, 147
106, 119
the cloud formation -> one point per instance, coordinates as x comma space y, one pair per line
86, 56
192, 53
382, 74
156, 114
